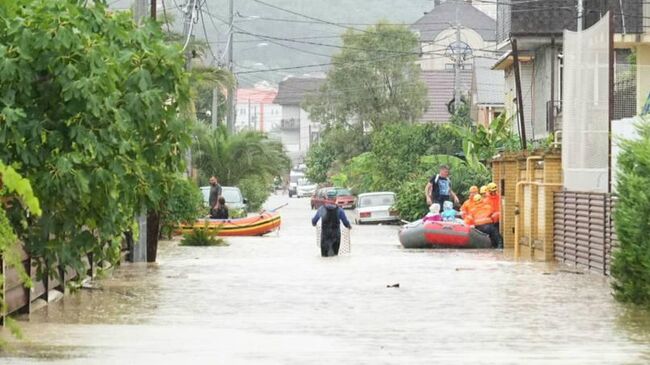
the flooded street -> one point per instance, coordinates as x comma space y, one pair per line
274, 300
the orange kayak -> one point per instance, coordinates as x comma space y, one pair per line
256, 225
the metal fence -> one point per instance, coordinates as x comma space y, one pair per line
584, 230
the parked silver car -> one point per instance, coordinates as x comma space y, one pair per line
234, 199
375, 208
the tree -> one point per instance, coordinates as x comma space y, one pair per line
89, 112
236, 158
631, 261
480, 143
374, 80
339, 144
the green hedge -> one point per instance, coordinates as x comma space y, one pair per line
631, 262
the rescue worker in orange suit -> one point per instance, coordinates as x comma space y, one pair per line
494, 199
481, 217
469, 203
483, 191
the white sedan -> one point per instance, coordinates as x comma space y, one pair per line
305, 188
375, 208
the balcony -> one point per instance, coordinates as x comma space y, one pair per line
290, 124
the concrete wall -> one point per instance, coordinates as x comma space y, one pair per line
542, 89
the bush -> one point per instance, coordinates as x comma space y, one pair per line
203, 236
631, 262
411, 202
184, 205
256, 191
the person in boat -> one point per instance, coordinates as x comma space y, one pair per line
494, 198
215, 192
434, 214
448, 212
483, 191
469, 203
220, 211
330, 239
481, 218
438, 189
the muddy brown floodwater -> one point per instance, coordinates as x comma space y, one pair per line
274, 300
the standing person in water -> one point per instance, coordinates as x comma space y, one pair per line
438, 190
330, 237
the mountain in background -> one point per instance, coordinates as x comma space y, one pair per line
270, 38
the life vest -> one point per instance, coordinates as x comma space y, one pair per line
495, 202
467, 206
481, 213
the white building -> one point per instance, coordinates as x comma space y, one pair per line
297, 131
256, 110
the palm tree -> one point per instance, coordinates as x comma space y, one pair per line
233, 157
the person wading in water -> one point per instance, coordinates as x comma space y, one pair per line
330, 236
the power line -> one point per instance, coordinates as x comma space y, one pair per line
307, 16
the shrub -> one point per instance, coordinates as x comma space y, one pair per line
411, 202
203, 236
256, 191
631, 262
184, 205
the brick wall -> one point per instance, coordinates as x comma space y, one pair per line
536, 208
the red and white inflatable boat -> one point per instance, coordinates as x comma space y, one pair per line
421, 234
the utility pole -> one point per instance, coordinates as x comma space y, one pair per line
231, 89
457, 65
581, 11
520, 100
138, 252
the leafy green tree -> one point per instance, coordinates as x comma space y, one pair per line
631, 262
89, 110
374, 81
399, 148
339, 144
480, 143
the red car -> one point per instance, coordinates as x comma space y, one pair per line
339, 196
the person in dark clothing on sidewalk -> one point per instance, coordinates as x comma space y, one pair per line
215, 193
330, 238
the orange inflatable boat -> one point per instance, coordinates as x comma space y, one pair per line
256, 225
